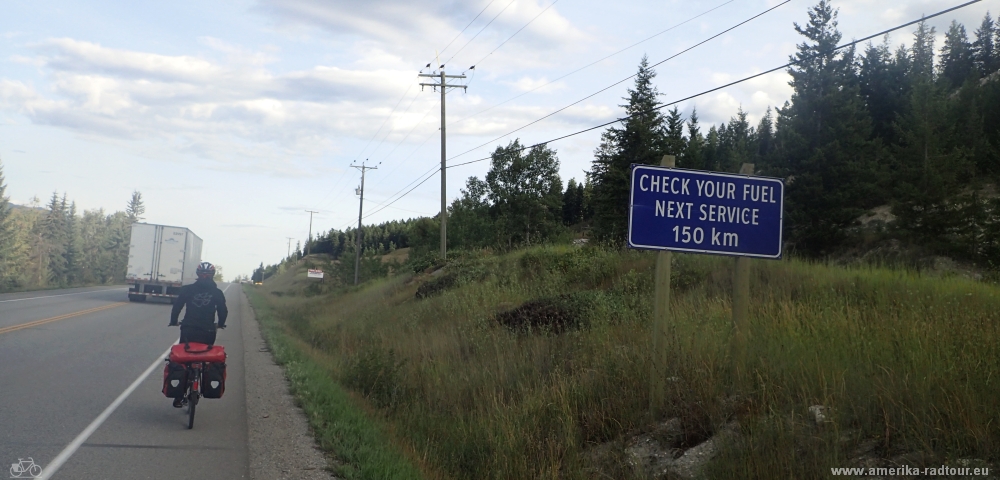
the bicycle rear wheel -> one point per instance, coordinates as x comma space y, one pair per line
191, 407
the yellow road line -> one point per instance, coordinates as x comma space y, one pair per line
43, 321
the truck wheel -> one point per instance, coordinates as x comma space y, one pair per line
136, 298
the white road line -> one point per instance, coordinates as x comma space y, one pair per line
62, 295
73, 446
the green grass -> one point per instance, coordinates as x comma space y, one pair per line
358, 442
902, 359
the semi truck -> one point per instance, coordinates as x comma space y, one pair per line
161, 259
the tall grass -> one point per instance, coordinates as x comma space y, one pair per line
906, 361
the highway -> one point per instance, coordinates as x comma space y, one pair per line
67, 361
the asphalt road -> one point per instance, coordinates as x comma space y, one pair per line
67, 355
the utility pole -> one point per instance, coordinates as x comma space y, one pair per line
442, 83
290, 247
361, 208
311, 212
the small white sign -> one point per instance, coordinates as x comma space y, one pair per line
315, 273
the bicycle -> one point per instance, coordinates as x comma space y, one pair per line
194, 372
25, 467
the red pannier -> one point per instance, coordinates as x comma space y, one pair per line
197, 352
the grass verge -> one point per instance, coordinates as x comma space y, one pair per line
536, 364
341, 427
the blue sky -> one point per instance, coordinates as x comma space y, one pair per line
233, 118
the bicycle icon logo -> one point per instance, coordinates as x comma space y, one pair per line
25, 469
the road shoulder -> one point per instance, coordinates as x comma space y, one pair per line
280, 443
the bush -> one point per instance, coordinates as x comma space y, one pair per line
557, 314
376, 374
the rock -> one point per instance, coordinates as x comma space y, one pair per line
819, 414
656, 454
694, 459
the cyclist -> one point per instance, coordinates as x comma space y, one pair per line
203, 300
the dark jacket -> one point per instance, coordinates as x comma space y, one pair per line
202, 299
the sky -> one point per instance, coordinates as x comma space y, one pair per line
234, 118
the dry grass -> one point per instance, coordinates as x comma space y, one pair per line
908, 361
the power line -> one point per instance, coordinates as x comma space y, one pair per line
517, 32
751, 77
477, 33
744, 79
623, 80
466, 27
595, 62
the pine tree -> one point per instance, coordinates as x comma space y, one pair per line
764, 141
73, 259
675, 143
8, 262
922, 67
956, 57
823, 139
642, 139
53, 235
984, 48
710, 153
572, 203
135, 208
883, 86
735, 141
694, 151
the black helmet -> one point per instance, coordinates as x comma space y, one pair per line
205, 270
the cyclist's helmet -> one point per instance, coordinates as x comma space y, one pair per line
205, 270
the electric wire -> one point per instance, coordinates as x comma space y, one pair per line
595, 62
793, 62
744, 79
515, 34
466, 27
343, 177
396, 167
623, 80
477, 33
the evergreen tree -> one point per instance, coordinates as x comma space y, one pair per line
694, 151
764, 141
922, 68
8, 260
675, 143
927, 171
956, 57
135, 208
984, 48
735, 141
572, 203
883, 86
72, 253
710, 152
53, 235
824, 144
642, 139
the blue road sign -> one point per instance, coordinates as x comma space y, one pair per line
705, 212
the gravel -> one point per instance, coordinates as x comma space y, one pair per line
281, 445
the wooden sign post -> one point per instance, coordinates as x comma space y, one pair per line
661, 321
741, 282
701, 212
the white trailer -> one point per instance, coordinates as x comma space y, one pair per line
161, 259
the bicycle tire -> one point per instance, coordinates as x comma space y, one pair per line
191, 407
34, 471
